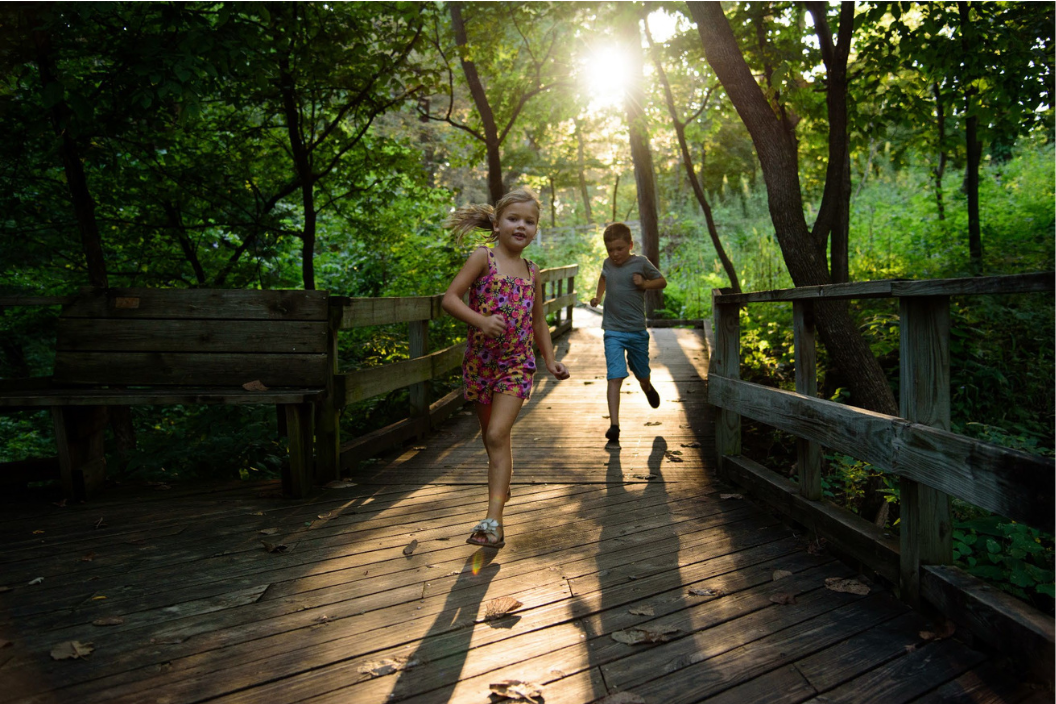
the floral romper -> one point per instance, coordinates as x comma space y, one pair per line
504, 364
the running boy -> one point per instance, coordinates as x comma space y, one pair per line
626, 277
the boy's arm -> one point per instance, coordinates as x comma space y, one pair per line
649, 284
600, 294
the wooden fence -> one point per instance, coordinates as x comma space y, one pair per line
334, 457
932, 463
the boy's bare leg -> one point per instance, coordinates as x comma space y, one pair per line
650, 392
614, 400
645, 383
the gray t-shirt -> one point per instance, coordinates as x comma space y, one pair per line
624, 306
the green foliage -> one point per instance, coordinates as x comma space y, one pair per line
1015, 557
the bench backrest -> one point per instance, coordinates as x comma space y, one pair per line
193, 337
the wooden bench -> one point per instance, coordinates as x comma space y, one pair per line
125, 347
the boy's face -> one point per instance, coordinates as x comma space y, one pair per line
619, 250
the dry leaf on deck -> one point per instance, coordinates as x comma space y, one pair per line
339, 484
108, 621
419, 448
850, 586
655, 634
272, 547
35, 580
653, 422
731, 496
642, 611
690, 444
410, 547
60, 504
254, 385
816, 547
621, 698
944, 631
517, 690
71, 650
269, 531
497, 608
783, 598
386, 666
706, 591
781, 574
89, 557
4, 589
100, 524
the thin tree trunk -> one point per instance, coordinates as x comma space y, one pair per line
644, 177
172, 214
496, 189
615, 191
581, 165
940, 167
687, 161
553, 202
974, 151
303, 165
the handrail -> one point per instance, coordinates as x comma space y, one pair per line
350, 386
933, 463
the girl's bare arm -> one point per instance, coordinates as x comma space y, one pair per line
490, 325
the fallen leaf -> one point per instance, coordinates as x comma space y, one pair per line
516, 689
35, 580
340, 484
108, 621
690, 444
89, 557
816, 547
706, 591
98, 597
272, 547
71, 650
621, 698
783, 598
162, 487
100, 524
647, 477
731, 496
654, 634
269, 531
326, 515
672, 456
945, 630
419, 448
497, 608
642, 611
4, 589
254, 385
781, 574
38, 532
653, 422
850, 586
60, 504
386, 666
410, 547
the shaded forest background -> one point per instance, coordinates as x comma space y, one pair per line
305, 145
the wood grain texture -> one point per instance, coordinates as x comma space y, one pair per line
808, 454
200, 304
190, 369
180, 335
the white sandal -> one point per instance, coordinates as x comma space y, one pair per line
489, 527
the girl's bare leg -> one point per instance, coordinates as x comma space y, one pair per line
503, 413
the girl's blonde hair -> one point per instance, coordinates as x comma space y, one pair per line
483, 217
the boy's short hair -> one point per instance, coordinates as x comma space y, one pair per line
617, 231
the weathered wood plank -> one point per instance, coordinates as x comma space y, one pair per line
808, 454
15, 301
159, 397
359, 312
202, 336
190, 369
1007, 482
1006, 623
558, 302
862, 289
204, 304
560, 272
365, 383
726, 364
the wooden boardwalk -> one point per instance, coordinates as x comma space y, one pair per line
600, 540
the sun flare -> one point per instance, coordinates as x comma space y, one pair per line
607, 72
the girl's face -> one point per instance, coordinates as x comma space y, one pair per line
516, 226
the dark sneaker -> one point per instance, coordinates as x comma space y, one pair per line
613, 433
654, 398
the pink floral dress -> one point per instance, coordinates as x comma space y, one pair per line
504, 364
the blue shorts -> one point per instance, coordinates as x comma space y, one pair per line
636, 346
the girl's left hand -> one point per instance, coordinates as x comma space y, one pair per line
560, 371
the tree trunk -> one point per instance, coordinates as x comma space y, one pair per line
303, 165
687, 161
553, 202
974, 151
615, 192
583, 192
940, 167
496, 189
777, 158
634, 106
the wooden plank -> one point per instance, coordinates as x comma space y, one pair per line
328, 410
976, 285
847, 534
418, 335
674, 323
184, 335
924, 397
360, 312
726, 364
15, 301
190, 369
987, 684
999, 619
857, 289
1010, 483
808, 454
198, 303
560, 272
559, 302
155, 397
365, 383
297, 478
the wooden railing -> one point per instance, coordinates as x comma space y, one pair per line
334, 457
933, 463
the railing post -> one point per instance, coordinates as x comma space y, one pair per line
418, 332
727, 363
808, 454
328, 414
924, 397
571, 290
